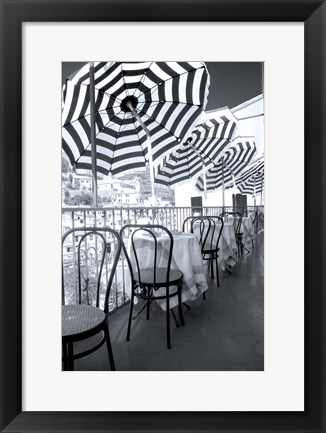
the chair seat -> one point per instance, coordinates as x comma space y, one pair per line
77, 319
147, 277
208, 249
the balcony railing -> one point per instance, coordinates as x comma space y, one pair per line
116, 217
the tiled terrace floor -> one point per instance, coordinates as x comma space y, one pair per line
224, 333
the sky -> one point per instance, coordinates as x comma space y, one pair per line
231, 83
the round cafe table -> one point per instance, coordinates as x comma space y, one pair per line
186, 257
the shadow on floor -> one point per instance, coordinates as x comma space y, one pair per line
223, 333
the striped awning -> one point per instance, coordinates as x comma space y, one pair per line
169, 98
231, 165
208, 142
251, 180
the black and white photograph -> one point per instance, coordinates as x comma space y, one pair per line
145, 250
163, 194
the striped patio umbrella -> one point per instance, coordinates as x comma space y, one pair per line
214, 135
232, 164
141, 110
208, 142
251, 181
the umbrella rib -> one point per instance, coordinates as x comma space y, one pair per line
142, 80
134, 121
238, 159
124, 82
88, 115
89, 144
119, 100
176, 102
110, 120
163, 127
115, 144
189, 163
116, 99
105, 93
173, 77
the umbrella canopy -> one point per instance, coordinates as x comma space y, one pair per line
231, 165
183, 164
206, 144
215, 134
251, 180
165, 99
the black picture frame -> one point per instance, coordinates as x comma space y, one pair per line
13, 14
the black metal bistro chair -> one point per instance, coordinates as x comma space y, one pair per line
210, 230
89, 252
188, 224
147, 279
237, 222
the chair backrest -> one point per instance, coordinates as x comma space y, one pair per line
237, 220
252, 215
187, 225
209, 228
139, 258
89, 261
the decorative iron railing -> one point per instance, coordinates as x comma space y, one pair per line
116, 217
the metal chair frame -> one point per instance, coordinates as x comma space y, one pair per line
68, 355
237, 222
146, 290
208, 226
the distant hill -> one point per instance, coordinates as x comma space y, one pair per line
161, 191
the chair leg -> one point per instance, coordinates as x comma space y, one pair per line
148, 305
244, 248
109, 347
180, 306
130, 316
211, 260
175, 318
217, 275
168, 336
70, 356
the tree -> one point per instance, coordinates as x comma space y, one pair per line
65, 166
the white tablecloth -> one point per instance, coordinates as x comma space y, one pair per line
227, 245
247, 229
186, 257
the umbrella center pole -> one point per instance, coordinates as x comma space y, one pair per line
223, 197
93, 139
203, 168
255, 193
149, 148
204, 179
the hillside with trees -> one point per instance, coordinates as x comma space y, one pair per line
75, 195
